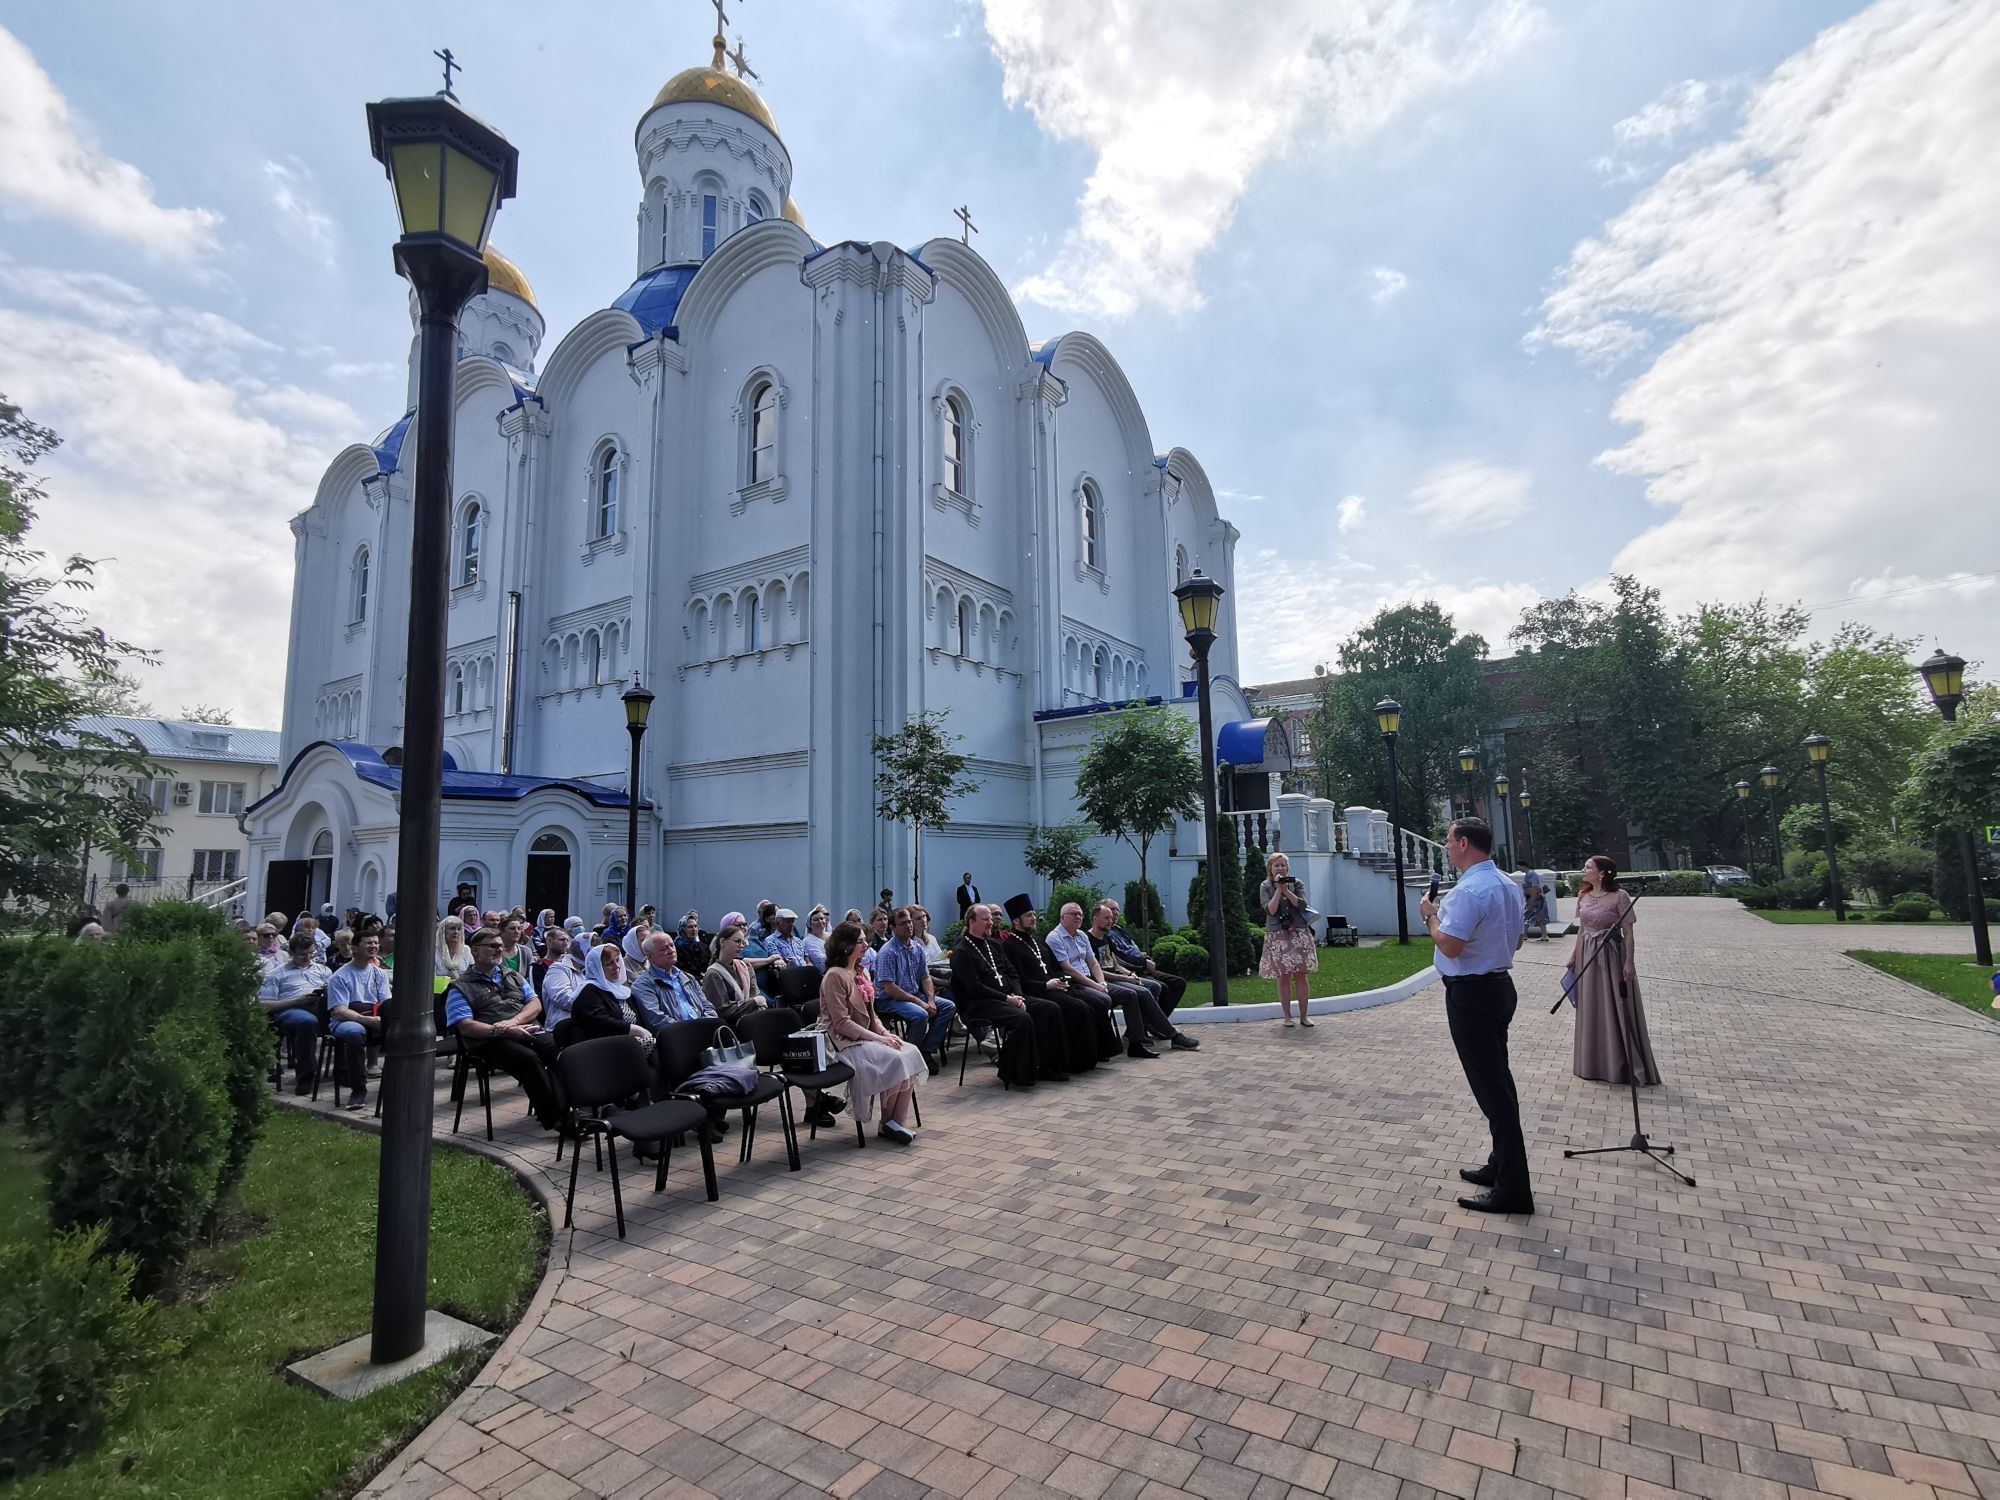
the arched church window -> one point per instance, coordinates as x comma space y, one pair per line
752, 637
605, 499
763, 432
358, 610
1091, 517
1097, 676
455, 689
1180, 566
471, 532
955, 469
614, 884
593, 657
710, 209
967, 641
758, 209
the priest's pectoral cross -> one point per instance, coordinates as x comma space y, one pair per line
451, 66
963, 213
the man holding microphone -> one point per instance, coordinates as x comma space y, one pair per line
1477, 928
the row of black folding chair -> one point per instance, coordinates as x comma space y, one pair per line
599, 1080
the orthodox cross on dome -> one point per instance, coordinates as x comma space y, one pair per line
721, 41
963, 214
743, 68
451, 65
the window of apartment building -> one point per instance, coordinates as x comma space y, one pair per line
147, 867
224, 797
217, 864
156, 790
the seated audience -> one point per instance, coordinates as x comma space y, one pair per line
560, 976
270, 952
1071, 946
515, 955
885, 1067
819, 922
342, 949
605, 1005
1128, 965
904, 990
662, 992
387, 935
355, 995
691, 944
730, 986
985, 990
290, 994
453, 957
91, 932
878, 928
1088, 1036
496, 1020
935, 958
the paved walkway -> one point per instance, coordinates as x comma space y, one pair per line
1241, 1272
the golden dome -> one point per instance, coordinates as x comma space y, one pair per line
791, 211
711, 86
502, 275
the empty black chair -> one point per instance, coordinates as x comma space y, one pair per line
798, 984
766, 1030
598, 1078
677, 1057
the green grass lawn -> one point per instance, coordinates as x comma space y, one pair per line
1342, 971
1947, 974
1825, 918
219, 1419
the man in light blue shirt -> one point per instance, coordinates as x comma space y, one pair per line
288, 994
905, 991
1476, 928
355, 995
664, 992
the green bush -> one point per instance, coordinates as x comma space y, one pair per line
1191, 961
43, 979
1791, 894
1886, 869
1165, 950
1254, 871
950, 936
1677, 883
163, 921
1235, 920
141, 1137
1143, 913
71, 1343
1913, 907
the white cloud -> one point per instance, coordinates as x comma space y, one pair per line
50, 169
1350, 513
1679, 109
1388, 285
1183, 100
295, 195
1471, 495
1821, 412
186, 335
182, 484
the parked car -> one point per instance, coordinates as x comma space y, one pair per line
1721, 877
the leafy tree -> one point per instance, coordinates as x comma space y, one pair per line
1414, 654
1565, 809
1253, 876
1060, 854
1802, 828
918, 775
1235, 920
1139, 776
206, 713
59, 786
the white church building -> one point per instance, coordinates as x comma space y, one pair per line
802, 492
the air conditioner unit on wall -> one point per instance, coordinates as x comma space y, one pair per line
183, 794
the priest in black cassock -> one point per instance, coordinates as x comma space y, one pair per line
1088, 1035
984, 988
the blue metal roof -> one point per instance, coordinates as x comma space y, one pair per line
469, 786
655, 297
389, 448
1245, 743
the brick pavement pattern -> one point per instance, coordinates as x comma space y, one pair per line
1242, 1273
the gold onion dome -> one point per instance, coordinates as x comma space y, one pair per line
791, 211
706, 85
502, 275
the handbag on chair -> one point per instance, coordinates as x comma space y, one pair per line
736, 1051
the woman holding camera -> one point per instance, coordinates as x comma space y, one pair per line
1290, 955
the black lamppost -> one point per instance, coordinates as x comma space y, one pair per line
450, 174
1500, 786
638, 703
1528, 823
1818, 747
1389, 717
1944, 675
1743, 801
1200, 601
1468, 765
1772, 777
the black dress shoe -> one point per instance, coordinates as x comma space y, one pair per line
1477, 1176
1140, 1052
1488, 1203
1182, 1042
931, 1062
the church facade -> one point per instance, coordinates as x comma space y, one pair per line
800, 491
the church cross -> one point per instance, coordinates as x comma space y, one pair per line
743, 68
963, 213
721, 42
451, 65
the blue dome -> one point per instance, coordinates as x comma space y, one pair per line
655, 297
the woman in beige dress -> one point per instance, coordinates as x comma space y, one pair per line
885, 1066
1604, 962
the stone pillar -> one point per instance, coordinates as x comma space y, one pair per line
1320, 811
1378, 831
1357, 828
1292, 822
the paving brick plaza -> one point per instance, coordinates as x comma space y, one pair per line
1242, 1273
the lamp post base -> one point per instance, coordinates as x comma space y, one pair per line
346, 1372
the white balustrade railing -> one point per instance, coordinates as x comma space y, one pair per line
1259, 827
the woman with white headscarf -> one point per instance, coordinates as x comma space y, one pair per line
633, 946
603, 1007
453, 957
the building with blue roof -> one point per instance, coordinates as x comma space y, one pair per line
803, 490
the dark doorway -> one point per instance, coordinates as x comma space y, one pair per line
286, 882
548, 876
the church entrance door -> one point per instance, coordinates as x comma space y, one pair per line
285, 885
548, 876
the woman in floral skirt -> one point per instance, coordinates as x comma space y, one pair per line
1290, 955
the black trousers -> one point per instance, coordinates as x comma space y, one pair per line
1172, 987
529, 1058
1087, 1035
1020, 1059
1480, 1007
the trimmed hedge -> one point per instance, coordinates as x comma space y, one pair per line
1913, 906
71, 1343
1143, 911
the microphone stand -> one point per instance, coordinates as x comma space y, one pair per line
1614, 942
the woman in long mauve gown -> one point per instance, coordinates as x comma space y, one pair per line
1604, 954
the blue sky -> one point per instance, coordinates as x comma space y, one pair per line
1474, 299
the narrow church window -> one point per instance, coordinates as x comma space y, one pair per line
1097, 676
607, 493
470, 528
763, 432
708, 220
1092, 557
954, 447
1180, 566
456, 695
752, 639
593, 663
967, 641
360, 609
756, 211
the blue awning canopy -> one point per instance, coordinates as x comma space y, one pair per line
1252, 743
